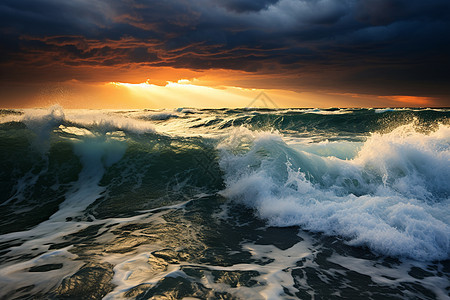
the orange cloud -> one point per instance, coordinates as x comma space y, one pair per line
410, 100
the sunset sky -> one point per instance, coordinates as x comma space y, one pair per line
223, 53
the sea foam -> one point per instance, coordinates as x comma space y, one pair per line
45, 119
392, 197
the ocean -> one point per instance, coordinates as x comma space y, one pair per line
225, 204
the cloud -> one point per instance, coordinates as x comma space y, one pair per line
243, 6
414, 100
340, 44
384, 12
48, 17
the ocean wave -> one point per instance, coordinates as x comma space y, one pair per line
383, 110
134, 206
45, 119
389, 192
160, 116
392, 197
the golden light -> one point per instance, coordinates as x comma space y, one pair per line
184, 93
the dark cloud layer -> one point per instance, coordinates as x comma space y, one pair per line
241, 6
371, 46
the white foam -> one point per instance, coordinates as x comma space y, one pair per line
318, 111
160, 116
340, 149
97, 150
15, 276
274, 277
135, 270
393, 197
395, 275
187, 110
383, 110
43, 120
96, 154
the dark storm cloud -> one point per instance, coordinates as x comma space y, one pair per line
48, 17
396, 40
241, 6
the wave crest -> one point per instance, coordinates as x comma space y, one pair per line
391, 197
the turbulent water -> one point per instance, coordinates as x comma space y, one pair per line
225, 204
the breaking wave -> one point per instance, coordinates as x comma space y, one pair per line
392, 196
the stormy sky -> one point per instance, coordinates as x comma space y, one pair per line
376, 47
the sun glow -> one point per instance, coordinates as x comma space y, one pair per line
185, 93
199, 92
